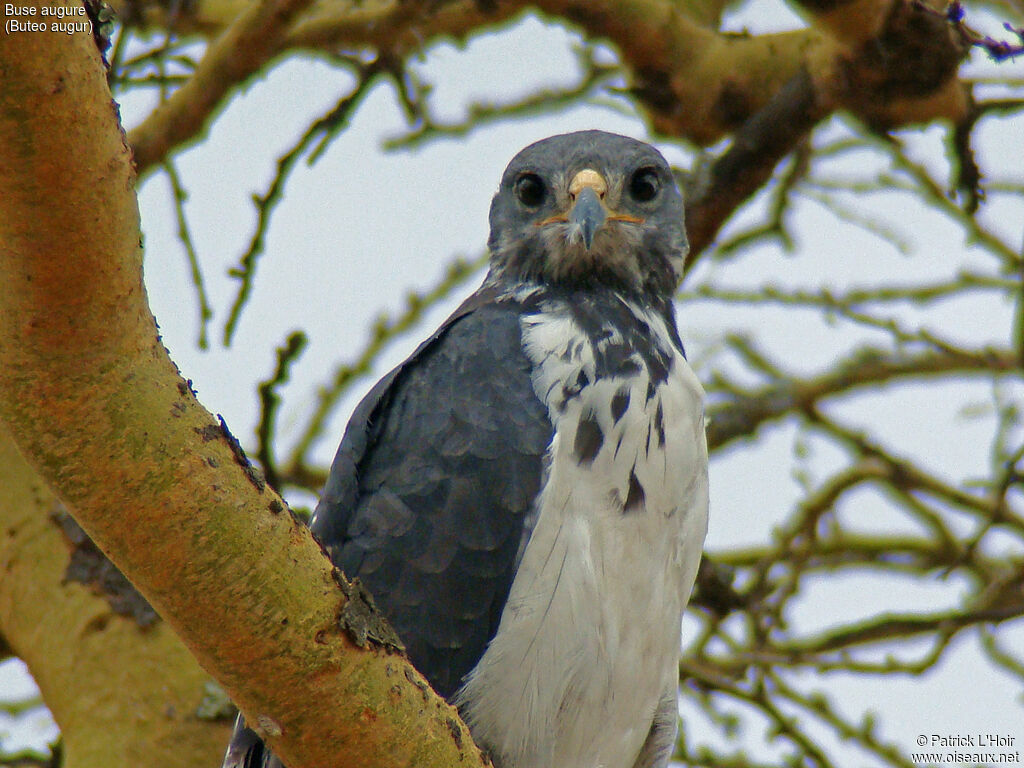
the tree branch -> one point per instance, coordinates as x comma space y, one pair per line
99, 410
270, 402
745, 411
120, 692
321, 130
241, 51
695, 83
756, 149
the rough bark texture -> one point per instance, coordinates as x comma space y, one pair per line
123, 694
99, 410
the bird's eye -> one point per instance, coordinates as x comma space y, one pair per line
645, 185
530, 190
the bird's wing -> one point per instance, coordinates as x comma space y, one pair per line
429, 498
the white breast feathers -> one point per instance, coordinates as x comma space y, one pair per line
589, 639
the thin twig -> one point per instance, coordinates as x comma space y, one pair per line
185, 236
270, 403
266, 203
593, 78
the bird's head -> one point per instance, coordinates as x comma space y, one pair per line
589, 209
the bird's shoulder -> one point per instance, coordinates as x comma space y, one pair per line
476, 351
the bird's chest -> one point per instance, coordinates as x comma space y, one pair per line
589, 636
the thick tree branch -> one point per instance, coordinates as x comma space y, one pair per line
122, 694
757, 148
99, 410
695, 83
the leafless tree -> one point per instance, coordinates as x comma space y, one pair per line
103, 441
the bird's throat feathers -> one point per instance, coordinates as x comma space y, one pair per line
619, 259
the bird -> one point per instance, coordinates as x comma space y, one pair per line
526, 495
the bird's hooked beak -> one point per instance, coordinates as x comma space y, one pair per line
588, 213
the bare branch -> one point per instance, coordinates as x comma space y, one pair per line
245, 47
594, 76
744, 411
321, 130
31, 758
932, 191
15, 707
818, 705
184, 234
270, 402
756, 149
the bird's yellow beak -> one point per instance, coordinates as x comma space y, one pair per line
588, 213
